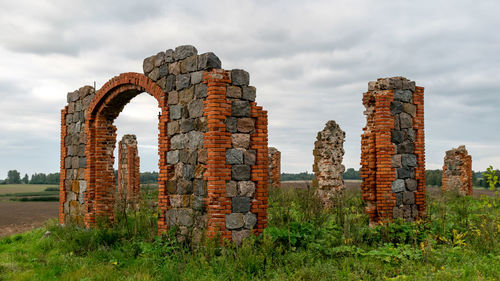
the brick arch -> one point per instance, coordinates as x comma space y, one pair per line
107, 104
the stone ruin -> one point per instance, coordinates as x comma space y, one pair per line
328, 169
213, 166
457, 171
129, 184
392, 150
274, 167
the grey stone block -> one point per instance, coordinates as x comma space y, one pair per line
234, 156
155, 74
398, 185
405, 120
409, 160
176, 111
199, 187
240, 204
187, 125
173, 157
234, 221
408, 198
399, 198
169, 55
240, 108
173, 128
196, 77
184, 51
178, 141
240, 172
409, 135
200, 124
231, 189
200, 91
188, 172
240, 77
195, 108
246, 188
397, 212
396, 161
208, 60
396, 137
231, 124
411, 184
185, 217
195, 140
170, 83
249, 157
184, 186
396, 107
403, 95
198, 203
187, 156
405, 148
234, 92
148, 64
163, 70
186, 96
404, 173
189, 64
250, 220
249, 93
183, 81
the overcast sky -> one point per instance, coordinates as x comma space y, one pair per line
310, 61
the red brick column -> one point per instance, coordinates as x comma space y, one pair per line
418, 125
457, 171
216, 140
393, 151
165, 170
384, 149
274, 167
62, 175
260, 169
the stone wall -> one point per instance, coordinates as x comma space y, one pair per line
457, 171
328, 169
274, 167
213, 166
73, 160
392, 150
128, 172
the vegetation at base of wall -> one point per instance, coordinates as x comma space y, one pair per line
459, 240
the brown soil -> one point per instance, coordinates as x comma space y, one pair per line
16, 217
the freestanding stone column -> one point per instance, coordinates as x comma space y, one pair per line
392, 150
457, 171
328, 169
128, 171
274, 167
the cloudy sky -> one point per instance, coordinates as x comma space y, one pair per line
310, 61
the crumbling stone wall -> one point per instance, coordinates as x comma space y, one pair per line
457, 171
274, 167
73, 160
128, 171
328, 169
392, 150
212, 146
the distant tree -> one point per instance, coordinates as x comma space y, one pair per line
433, 177
13, 177
26, 179
352, 174
295, 177
38, 178
149, 177
52, 178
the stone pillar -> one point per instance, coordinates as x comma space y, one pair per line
274, 167
328, 169
72, 184
392, 150
128, 171
457, 171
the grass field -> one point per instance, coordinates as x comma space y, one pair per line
458, 240
22, 188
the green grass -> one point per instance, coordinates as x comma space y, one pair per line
20, 188
459, 240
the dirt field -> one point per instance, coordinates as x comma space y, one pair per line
16, 217
19, 188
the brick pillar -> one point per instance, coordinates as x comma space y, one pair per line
274, 167
128, 172
393, 151
457, 171
62, 175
